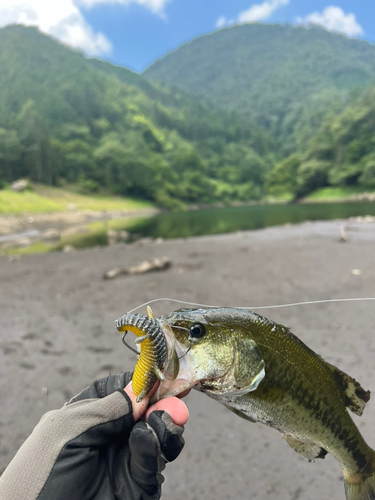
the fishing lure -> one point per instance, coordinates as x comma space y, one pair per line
153, 352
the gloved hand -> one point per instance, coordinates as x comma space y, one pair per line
92, 448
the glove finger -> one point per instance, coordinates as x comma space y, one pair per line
168, 433
103, 387
146, 458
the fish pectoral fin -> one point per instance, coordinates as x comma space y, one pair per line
355, 397
240, 414
309, 451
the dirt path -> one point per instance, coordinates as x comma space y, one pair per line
57, 335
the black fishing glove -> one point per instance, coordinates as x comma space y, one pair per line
92, 449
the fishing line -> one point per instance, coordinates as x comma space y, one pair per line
278, 306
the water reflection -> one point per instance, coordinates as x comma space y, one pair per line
231, 219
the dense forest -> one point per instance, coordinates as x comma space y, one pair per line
341, 153
64, 118
284, 78
291, 110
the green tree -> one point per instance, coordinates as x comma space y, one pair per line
35, 141
367, 179
10, 152
312, 174
283, 177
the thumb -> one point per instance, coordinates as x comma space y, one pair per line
139, 408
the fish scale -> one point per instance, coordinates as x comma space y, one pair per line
262, 372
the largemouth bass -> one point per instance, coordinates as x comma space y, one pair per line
264, 373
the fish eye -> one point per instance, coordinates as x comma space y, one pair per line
197, 331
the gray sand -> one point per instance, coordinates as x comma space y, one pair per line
57, 335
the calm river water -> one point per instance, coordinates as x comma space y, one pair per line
231, 219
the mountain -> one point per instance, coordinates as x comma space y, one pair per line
284, 78
341, 153
68, 119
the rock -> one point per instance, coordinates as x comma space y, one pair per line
123, 235
158, 264
364, 219
20, 185
74, 230
22, 243
51, 235
365, 197
117, 236
68, 248
144, 241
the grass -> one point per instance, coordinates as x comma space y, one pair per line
280, 198
333, 193
37, 247
50, 199
28, 201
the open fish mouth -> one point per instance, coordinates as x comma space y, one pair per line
179, 370
183, 370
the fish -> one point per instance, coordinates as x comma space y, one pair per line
153, 350
263, 373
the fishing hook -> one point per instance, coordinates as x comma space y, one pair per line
127, 345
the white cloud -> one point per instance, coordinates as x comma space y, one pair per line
156, 6
221, 21
334, 19
261, 11
63, 19
257, 12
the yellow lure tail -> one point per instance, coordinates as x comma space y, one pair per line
153, 350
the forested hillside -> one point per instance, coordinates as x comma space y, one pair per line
67, 119
342, 153
282, 77
290, 114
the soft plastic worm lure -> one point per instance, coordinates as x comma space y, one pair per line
153, 350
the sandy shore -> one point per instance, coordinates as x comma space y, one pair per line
57, 335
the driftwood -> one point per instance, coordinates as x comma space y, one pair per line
158, 264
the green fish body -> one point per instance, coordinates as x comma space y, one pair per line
264, 373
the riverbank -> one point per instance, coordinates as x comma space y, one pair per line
110, 228
100, 220
338, 194
57, 335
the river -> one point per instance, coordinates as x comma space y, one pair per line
231, 219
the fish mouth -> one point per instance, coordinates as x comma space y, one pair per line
177, 368
184, 370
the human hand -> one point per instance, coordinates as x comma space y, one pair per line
94, 448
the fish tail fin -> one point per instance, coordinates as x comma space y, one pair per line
360, 487
363, 490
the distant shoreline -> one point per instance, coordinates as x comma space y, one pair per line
10, 224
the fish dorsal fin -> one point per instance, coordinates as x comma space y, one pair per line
355, 397
309, 451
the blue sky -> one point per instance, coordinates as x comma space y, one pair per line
133, 33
